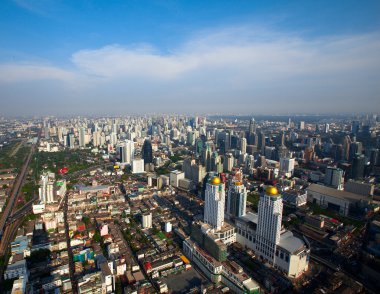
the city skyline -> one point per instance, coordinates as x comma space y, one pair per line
63, 58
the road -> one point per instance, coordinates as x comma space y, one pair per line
69, 251
16, 190
9, 234
21, 212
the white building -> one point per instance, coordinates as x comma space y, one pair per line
334, 177
175, 176
243, 145
287, 166
82, 137
269, 223
262, 233
138, 166
146, 220
168, 227
46, 190
214, 203
126, 151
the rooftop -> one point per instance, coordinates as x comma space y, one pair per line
336, 193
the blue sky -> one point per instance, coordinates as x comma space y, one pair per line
247, 57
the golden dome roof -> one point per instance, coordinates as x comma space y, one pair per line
272, 191
215, 181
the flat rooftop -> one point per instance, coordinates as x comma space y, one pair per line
336, 193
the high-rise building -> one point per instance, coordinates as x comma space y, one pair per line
287, 166
125, 151
243, 145
46, 189
252, 126
261, 142
327, 128
138, 166
346, 147
334, 177
82, 133
358, 165
355, 147
236, 199
355, 126
374, 158
71, 141
301, 125
228, 162
147, 152
47, 132
263, 234
214, 203
146, 220
207, 155
113, 138
269, 224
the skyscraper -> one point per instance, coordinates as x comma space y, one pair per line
269, 223
261, 142
358, 165
236, 199
214, 203
243, 145
287, 166
334, 177
46, 189
71, 142
125, 151
82, 133
252, 126
147, 152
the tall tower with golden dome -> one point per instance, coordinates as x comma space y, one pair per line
269, 223
214, 203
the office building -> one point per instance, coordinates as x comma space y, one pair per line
71, 141
147, 151
146, 219
228, 162
243, 145
125, 151
82, 137
138, 166
287, 166
236, 199
334, 177
358, 166
175, 176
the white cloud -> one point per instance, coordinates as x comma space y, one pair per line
255, 56
33, 72
238, 63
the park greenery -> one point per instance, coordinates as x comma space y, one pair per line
13, 155
253, 198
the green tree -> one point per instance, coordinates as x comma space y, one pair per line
97, 238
